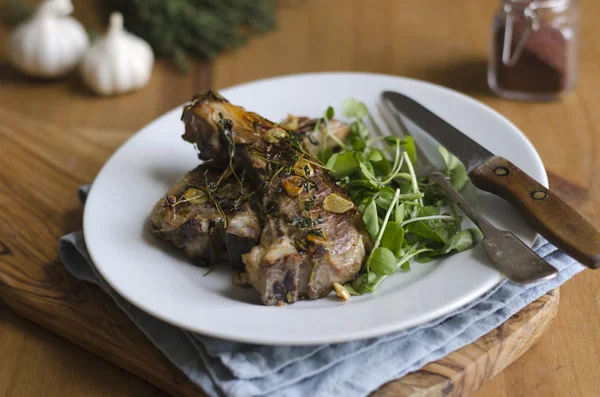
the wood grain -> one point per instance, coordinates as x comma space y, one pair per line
35, 362
82, 313
40, 203
465, 370
384, 36
544, 210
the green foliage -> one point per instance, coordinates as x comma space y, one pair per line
13, 12
179, 29
403, 214
454, 169
201, 28
353, 108
382, 261
392, 239
371, 219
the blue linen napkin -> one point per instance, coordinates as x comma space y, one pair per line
351, 369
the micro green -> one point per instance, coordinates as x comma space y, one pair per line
406, 217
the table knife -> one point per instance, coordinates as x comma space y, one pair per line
519, 263
549, 215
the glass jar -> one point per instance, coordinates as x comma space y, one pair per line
534, 49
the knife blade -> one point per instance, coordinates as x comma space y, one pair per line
549, 215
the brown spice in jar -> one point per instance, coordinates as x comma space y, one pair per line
541, 67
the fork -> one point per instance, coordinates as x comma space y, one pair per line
511, 256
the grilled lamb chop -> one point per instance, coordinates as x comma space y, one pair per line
211, 228
313, 236
211, 243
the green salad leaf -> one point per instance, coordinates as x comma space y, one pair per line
371, 219
329, 113
455, 170
409, 220
393, 237
343, 164
382, 261
381, 165
464, 240
408, 145
384, 197
353, 108
399, 214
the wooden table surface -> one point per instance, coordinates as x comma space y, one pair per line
442, 42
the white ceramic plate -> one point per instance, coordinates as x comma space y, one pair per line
160, 280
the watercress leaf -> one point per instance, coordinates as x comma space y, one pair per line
363, 283
400, 213
382, 261
332, 160
373, 285
360, 282
392, 238
421, 229
343, 164
367, 173
409, 239
357, 143
371, 277
454, 169
350, 289
464, 240
371, 219
361, 183
324, 155
459, 242
424, 257
385, 197
476, 234
405, 267
329, 113
354, 108
380, 163
366, 170
408, 145
375, 156
365, 165
361, 207
358, 128
429, 211
445, 229
404, 185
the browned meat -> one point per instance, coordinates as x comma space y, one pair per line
209, 216
304, 248
314, 139
197, 227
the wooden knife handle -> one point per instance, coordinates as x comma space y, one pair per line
543, 210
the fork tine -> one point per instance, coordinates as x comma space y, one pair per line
391, 116
380, 131
376, 126
386, 121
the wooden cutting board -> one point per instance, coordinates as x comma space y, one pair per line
49, 158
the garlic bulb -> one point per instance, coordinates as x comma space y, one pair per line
118, 63
51, 43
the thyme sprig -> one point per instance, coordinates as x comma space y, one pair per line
210, 189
